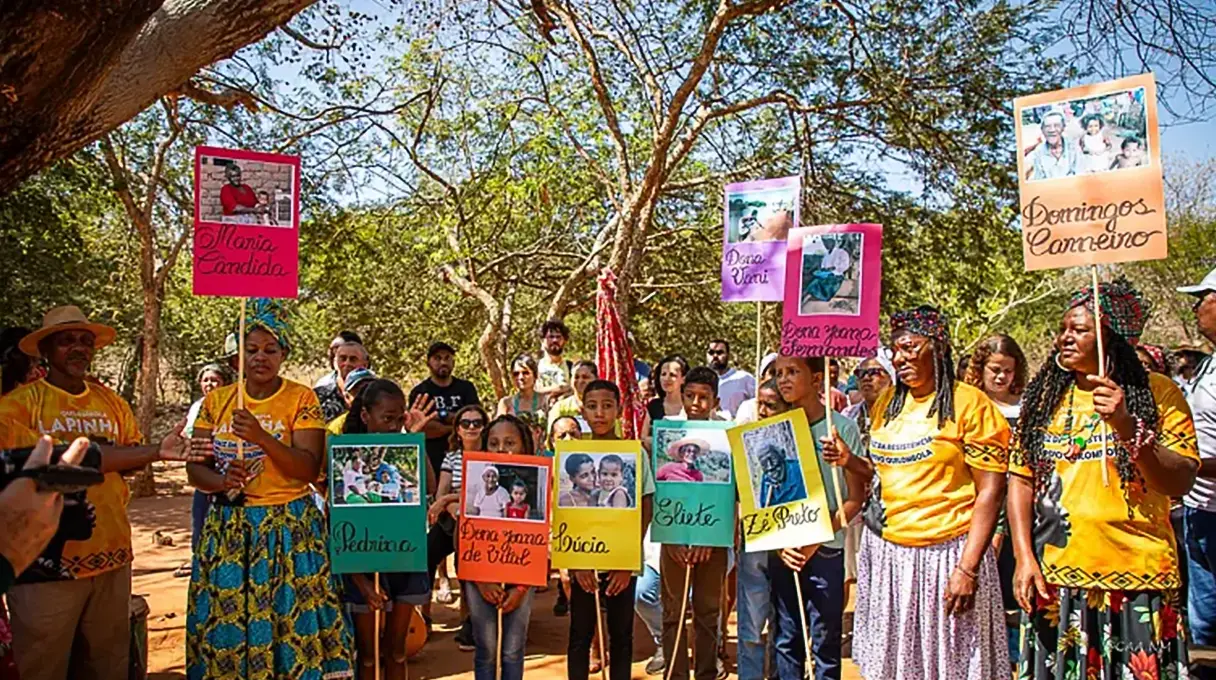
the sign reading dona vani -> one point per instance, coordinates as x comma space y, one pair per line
1089, 175
377, 507
246, 223
757, 217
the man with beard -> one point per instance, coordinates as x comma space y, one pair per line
734, 386
70, 609
1199, 514
449, 395
554, 381
1055, 156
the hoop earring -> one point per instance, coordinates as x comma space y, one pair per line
1060, 366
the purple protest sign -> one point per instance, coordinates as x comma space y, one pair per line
757, 217
833, 289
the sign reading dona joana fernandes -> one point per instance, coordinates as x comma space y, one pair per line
694, 497
377, 503
757, 217
597, 512
1089, 175
833, 285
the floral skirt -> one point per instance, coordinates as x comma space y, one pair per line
263, 604
1104, 635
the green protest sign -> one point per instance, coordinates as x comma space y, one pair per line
694, 499
377, 510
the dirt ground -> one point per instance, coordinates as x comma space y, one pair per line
168, 513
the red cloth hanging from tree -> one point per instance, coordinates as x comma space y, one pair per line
614, 357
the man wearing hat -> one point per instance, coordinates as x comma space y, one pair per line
449, 394
81, 595
1199, 518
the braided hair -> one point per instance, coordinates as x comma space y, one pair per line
943, 380
1047, 390
368, 397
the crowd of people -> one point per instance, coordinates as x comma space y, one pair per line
1056, 521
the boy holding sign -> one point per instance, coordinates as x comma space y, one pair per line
700, 567
603, 486
819, 569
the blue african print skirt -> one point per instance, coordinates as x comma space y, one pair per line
263, 604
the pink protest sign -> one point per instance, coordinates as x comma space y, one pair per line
246, 223
757, 217
833, 287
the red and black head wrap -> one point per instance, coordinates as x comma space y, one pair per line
929, 322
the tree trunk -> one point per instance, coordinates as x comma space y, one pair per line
143, 483
77, 70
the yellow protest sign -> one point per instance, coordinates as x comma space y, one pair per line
597, 510
782, 502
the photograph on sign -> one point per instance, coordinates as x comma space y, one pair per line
598, 480
696, 456
1090, 183
772, 461
757, 217
506, 490
760, 215
831, 275
381, 475
235, 190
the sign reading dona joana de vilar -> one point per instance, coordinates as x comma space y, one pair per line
377, 503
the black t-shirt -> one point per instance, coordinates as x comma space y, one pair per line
448, 400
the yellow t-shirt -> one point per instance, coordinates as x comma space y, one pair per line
924, 491
98, 413
336, 425
1083, 532
294, 407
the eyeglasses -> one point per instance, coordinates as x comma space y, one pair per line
475, 424
863, 373
1199, 302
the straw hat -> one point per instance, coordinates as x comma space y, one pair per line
701, 444
66, 318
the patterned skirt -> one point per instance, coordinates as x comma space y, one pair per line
263, 604
1104, 635
901, 630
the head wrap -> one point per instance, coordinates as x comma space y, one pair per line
1124, 309
1157, 354
923, 320
268, 315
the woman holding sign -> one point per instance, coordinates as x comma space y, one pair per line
264, 536
1097, 569
929, 598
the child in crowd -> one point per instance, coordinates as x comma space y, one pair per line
518, 508
753, 587
612, 492
708, 565
601, 410
581, 471
1131, 154
818, 568
505, 434
380, 408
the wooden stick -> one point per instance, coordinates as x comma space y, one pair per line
806, 633
376, 626
834, 478
240, 372
759, 338
671, 663
599, 624
1093, 271
498, 655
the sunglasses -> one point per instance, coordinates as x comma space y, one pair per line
863, 373
475, 424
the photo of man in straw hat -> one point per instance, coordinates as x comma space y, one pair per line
72, 605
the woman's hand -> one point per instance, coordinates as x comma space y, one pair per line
492, 593
796, 558
237, 476
421, 413
201, 448
960, 592
618, 581
247, 427
512, 600
1111, 403
1027, 582
835, 451
176, 447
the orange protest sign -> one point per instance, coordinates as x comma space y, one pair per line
1089, 175
504, 519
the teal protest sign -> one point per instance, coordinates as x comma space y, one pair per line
377, 510
694, 498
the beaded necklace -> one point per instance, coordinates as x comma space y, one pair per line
1077, 443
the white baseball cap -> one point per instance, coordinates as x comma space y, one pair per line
1207, 285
